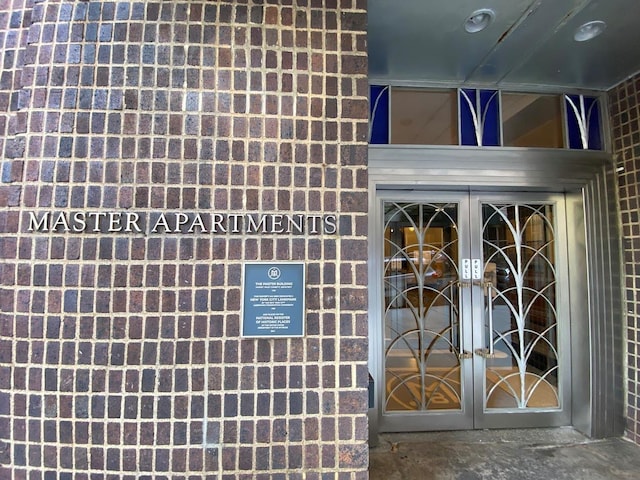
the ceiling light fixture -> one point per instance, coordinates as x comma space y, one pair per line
479, 20
589, 30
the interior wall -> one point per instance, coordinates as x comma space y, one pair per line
120, 352
624, 101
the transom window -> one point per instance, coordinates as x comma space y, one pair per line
483, 117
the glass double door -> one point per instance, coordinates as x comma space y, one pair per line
475, 320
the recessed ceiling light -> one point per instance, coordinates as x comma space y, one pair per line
479, 20
589, 30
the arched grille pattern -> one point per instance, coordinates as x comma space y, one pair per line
421, 307
517, 318
520, 289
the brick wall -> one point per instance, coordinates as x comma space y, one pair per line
624, 103
120, 352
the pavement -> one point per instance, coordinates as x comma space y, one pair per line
531, 454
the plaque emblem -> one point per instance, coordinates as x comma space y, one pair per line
274, 273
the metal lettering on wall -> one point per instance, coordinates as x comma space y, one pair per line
273, 299
63, 221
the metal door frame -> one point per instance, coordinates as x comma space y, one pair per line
438, 420
472, 377
510, 418
589, 183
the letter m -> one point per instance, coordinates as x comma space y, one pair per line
39, 226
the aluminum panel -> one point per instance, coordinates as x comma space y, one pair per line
531, 43
605, 303
588, 178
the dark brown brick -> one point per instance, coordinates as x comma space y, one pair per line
152, 110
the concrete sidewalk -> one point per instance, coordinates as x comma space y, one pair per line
547, 454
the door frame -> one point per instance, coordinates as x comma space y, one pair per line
485, 418
588, 181
412, 421
473, 414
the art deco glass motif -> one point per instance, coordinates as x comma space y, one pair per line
483, 118
521, 321
515, 325
422, 342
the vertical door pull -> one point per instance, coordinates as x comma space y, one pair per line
489, 286
463, 354
489, 351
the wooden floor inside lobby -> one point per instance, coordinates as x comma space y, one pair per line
540, 454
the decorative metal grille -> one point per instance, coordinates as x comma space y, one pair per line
520, 292
481, 119
422, 308
421, 313
583, 122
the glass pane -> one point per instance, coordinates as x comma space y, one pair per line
532, 120
583, 122
520, 307
422, 368
378, 114
424, 117
479, 117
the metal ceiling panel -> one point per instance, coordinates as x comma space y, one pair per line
416, 40
530, 43
599, 63
537, 25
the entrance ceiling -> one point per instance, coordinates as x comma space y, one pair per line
529, 43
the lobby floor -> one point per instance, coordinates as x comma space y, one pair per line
540, 454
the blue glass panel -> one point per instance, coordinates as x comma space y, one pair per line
586, 114
483, 107
378, 114
573, 123
467, 102
595, 130
490, 106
